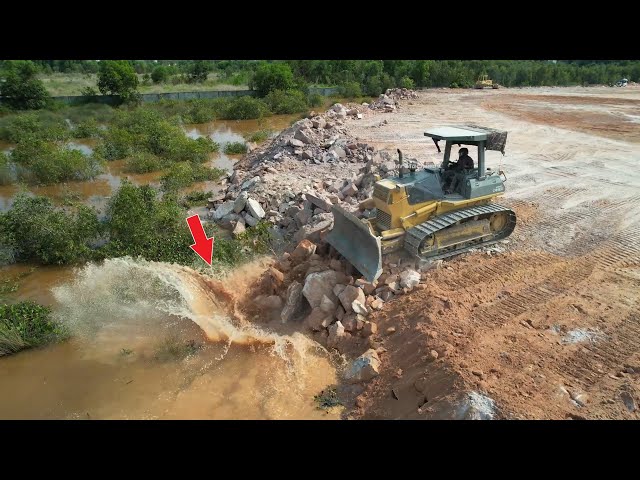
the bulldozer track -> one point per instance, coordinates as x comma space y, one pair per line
417, 234
558, 193
594, 360
559, 280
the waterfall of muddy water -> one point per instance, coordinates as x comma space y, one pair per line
122, 311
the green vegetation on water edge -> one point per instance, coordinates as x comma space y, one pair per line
26, 325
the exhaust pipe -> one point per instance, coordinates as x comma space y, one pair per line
401, 175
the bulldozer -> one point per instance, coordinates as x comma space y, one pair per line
485, 82
416, 210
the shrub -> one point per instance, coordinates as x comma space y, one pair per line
36, 230
194, 198
281, 102
46, 163
315, 100
245, 108
272, 76
406, 82
198, 71
87, 129
25, 325
259, 136
350, 90
183, 174
143, 162
235, 148
160, 74
44, 125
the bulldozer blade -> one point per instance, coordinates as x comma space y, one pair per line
354, 240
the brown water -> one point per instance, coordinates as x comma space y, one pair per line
97, 192
121, 312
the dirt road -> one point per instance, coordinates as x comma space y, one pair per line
549, 327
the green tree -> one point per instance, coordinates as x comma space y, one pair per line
272, 76
160, 74
117, 77
20, 87
198, 71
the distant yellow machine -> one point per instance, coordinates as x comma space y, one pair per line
485, 82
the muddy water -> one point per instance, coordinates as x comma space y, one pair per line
97, 192
151, 340
124, 316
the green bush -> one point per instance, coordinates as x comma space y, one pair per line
284, 102
35, 230
143, 162
259, 136
272, 76
194, 198
406, 82
21, 89
46, 162
350, 90
245, 108
160, 74
183, 174
26, 325
41, 125
144, 129
235, 148
141, 224
6, 175
315, 100
87, 129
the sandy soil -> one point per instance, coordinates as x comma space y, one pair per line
549, 328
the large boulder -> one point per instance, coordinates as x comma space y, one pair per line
241, 201
319, 202
349, 295
364, 368
336, 333
314, 233
223, 209
304, 136
318, 285
254, 208
409, 278
303, 251
294, 305
318, 319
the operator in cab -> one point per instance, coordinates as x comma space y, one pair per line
453, 170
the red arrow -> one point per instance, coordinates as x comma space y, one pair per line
203, 245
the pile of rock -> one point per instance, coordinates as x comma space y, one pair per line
388, 101
277, 184
325, 294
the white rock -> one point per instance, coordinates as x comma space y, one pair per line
254, 208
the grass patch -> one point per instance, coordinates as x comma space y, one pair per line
327, 399
259, 136
235, 148
183, 174
11, 285
143, 162
26, 325
88, 128
174, 349
194, 198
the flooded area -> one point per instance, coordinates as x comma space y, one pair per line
152, 340
157, 341
97, 192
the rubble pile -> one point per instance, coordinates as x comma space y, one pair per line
388, 101
294, 181
330, 298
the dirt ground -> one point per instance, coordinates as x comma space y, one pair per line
550, 327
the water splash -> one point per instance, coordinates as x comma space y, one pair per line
126, 293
